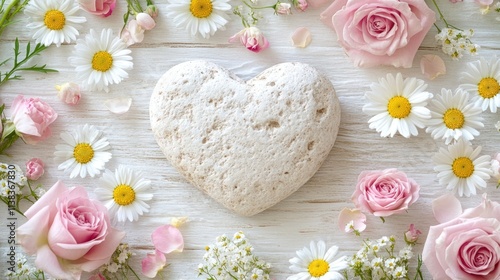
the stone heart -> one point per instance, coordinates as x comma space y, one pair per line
250, 144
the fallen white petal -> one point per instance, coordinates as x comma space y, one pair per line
301, 38
432, 66
118, 105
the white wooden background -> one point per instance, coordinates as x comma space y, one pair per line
310, 213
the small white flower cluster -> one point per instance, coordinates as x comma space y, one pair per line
455, 42
371, 262
118, 261
23, 270
233, 259
11, 174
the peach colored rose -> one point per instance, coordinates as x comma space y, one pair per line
466, 246
34, 169
385, 192
68, 232
32, 118
98, 7
380, 32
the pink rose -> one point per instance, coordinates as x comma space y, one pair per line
411, 235
145, 21
132, 33
98, 7
69, 93
68, 232
34, 169
32, 118
385, 192
380, 32
467, 246
252, 38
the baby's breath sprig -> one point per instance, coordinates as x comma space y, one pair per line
453, 40
118, 266
19, 62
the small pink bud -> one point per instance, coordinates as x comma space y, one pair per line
69, 93
411, 236
145, 21
301, 5
152, 11
34, 169
283, 8
252, 38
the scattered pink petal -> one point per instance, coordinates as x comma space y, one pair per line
446, 208
153, 263
301, 38
118, 105
352, 220
167, 239
432, 66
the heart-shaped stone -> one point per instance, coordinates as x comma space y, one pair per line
250, 144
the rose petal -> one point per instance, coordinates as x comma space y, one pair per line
446, 208
51, 195
301, 38
153, 263
355, 216
118, 105
46, 260
34, 230
432, 66
167, 239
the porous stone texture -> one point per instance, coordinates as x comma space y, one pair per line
250, 144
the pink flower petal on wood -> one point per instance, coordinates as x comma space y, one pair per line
153, 263
352, 219
301, 38
432, 66
167, 239
446, 208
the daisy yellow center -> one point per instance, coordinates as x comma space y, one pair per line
399, 107
463, 167
453, 118
123, 195
102, 61
54, 20
488, 87
318, 268
83, 153
201, 8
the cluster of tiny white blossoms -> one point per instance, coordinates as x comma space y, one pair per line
456, 42
118, 262
13, 175
233, 259
22, 270
379, 260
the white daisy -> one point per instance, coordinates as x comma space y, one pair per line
461, 170
84, 152
202, 17
125, 193
53, 21
101, 60
317, 263
453, 117
482, 80
397, 105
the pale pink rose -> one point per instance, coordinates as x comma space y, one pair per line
283, 8
301, 4
145, 21
98, 7
385, 192
97, 276
68, 232
34, 169
133, 33
467, 246
252, 38
412, 234
484, 2
69, 93
32, 118
153, 263
380, 32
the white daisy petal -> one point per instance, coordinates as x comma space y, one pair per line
397, 105
482, 81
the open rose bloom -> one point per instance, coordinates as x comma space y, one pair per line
68, 232
32, 118
380, 32
385, 192
466, 246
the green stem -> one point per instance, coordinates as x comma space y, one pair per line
7, 14
441, 16
258, 8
